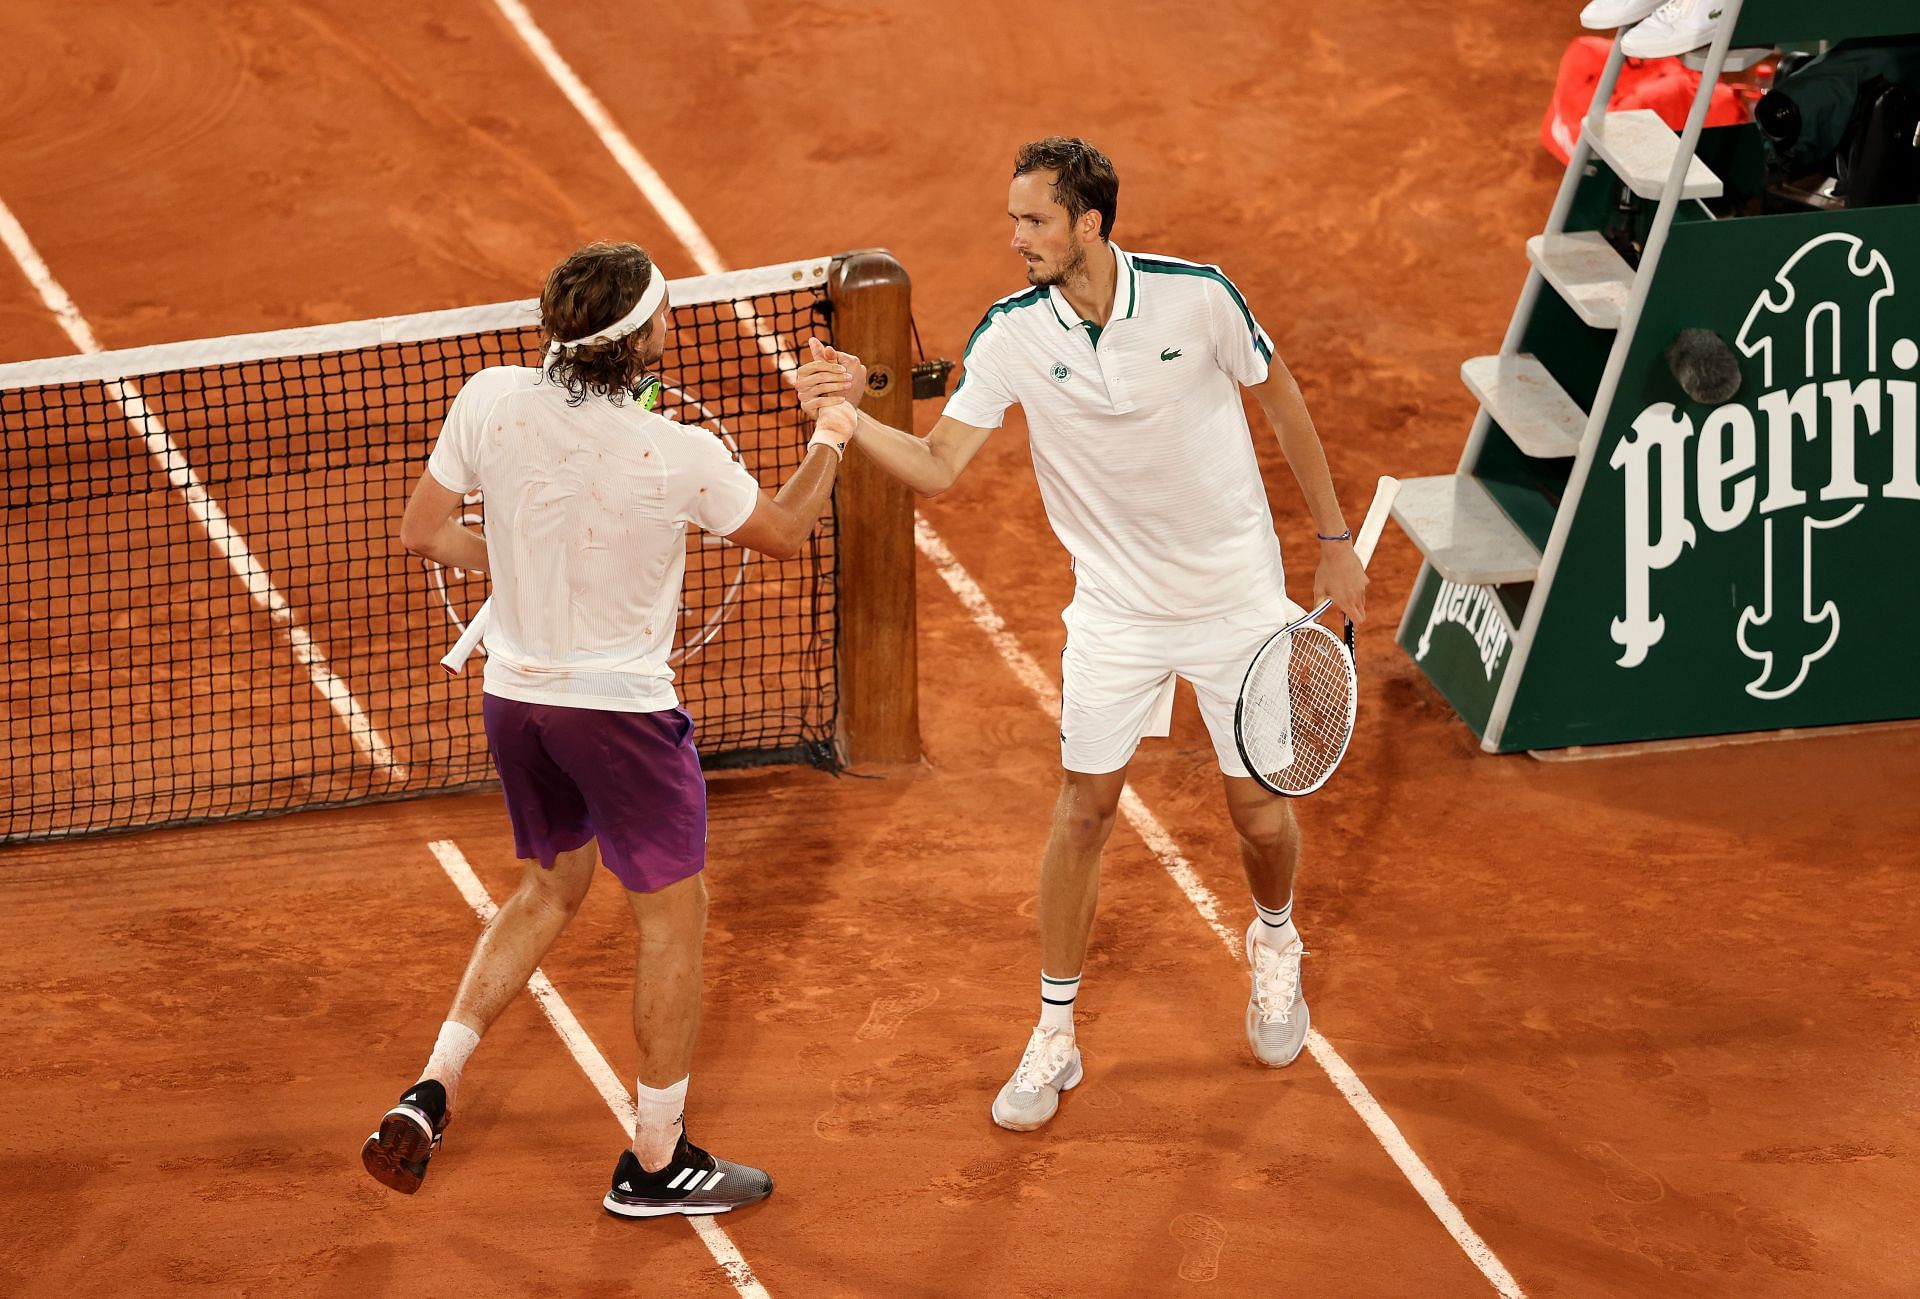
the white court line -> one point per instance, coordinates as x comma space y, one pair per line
652, 188
648, 181
680, 221
591, 1062
201, 506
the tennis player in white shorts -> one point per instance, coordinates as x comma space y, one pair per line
1129, 368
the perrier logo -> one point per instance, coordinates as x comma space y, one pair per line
1816, 324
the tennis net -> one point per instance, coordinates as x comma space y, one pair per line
206, 614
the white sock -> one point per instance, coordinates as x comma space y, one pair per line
1276, 924
451, 1051
1056, 1001
658, 1114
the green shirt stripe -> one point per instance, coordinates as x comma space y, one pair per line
1155, 266
1027, 299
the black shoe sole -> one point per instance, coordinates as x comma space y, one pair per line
396, 1155
619, 1206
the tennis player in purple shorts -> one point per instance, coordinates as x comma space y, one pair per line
589, 497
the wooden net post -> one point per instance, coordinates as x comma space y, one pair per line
879, 672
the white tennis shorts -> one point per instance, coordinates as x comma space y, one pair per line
1117, 680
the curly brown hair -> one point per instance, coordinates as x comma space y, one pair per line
587, 292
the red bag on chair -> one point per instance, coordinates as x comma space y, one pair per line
1666, 86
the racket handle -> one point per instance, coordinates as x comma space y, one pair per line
456, 658
1376, 521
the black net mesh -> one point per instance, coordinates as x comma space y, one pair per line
206, 614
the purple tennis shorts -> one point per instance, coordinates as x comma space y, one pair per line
630, 780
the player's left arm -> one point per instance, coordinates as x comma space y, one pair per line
432, 527
1340, 576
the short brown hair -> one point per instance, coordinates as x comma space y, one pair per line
584, 294
1084, 181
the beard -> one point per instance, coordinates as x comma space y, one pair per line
1075, 264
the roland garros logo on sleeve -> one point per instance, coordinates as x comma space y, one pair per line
1821, 316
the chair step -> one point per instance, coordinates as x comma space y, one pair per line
1463, 533
1738, 60
1528, 403
1594, 279
1640, 149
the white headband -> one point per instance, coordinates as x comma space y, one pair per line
650, 300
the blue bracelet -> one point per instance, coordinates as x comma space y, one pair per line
1344, 536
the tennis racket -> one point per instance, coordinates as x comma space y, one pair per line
456, 658
1296, 707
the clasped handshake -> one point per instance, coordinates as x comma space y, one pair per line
830, 387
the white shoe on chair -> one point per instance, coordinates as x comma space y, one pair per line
1605, 15
1675, 28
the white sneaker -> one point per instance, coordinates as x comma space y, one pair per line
1675, 28
1277, 1012
1605, 15
1050, 1066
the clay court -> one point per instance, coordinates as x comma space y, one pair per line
1635, 1026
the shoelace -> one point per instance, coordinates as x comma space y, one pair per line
1674, 10
1276, 980
1046, 1055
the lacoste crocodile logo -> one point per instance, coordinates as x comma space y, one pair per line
1169, 354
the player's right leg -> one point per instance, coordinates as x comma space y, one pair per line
664, 1172
640, 774
1083, 818
1114, 690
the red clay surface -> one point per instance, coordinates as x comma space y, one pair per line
1649, 1021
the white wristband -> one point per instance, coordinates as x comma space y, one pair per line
823, 438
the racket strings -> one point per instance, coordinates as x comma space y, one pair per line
1320, 700
1298, 707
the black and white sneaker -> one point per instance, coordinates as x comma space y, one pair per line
693, 1182
397, 1152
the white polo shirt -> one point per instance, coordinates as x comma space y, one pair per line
587, 513
1140, 442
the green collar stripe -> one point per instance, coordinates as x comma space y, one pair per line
1026, 299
